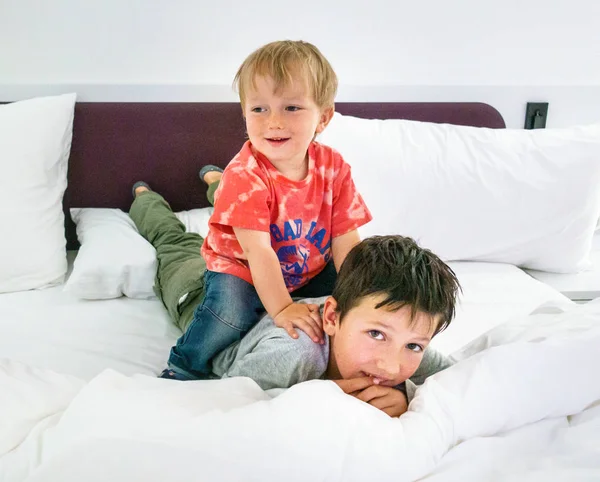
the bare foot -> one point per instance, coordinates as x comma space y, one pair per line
212, 176
140, 189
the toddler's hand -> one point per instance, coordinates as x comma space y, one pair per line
303, 316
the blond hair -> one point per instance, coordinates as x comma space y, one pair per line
284, 61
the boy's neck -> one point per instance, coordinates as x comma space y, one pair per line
332, 372
294, 172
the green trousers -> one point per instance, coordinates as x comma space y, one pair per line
181, 267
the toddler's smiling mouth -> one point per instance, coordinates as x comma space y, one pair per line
277, 140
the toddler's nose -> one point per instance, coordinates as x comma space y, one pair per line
275, 120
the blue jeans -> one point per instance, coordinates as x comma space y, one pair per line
231, 307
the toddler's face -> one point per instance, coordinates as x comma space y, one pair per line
376, 342
282, 121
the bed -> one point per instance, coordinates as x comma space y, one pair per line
81, 400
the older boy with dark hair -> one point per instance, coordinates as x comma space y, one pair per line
390, 299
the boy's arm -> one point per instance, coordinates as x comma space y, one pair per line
341, 246
270, 286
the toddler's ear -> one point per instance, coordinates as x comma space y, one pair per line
330, 316
326, 116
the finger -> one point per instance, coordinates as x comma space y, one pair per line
316, 317
372, 392
310, 329
382, 402
317, 327
289, 327
395, 410
392, 403
391, 411
307, 320
352, 385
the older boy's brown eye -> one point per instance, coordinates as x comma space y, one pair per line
376, 334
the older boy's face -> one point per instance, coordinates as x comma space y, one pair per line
282, 122
387, 345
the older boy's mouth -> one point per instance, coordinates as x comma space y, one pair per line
380, 380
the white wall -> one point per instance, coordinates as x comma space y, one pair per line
504, 52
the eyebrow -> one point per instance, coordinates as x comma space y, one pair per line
392, 328
383, 325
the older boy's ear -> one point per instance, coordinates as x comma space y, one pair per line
326, 116
330, 316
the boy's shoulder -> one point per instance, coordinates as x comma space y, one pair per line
244, 159
244, 165
323, 151
329, 158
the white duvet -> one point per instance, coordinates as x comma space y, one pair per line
523, 403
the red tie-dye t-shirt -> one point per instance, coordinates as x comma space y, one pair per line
301, 216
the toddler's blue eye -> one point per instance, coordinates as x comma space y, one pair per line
414, 347
292, 108
257, 109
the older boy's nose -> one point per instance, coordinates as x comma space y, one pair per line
389, 369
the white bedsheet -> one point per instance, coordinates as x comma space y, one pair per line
525, 408
52, 329
492, 294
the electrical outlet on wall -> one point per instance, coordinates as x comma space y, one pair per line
536, 115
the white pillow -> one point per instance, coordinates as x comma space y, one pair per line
114, 259
196, 220
525, 197
35, 142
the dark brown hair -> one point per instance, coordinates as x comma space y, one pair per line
398, 269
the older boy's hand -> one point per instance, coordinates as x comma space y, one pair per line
303, 316
353, 386
387, 399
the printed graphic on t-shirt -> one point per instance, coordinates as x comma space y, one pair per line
294, 271
294, 257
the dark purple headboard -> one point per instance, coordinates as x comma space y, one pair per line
165, 144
